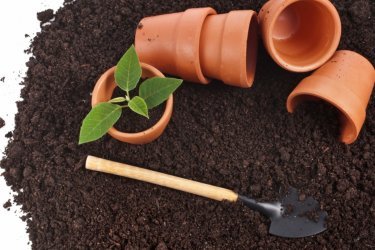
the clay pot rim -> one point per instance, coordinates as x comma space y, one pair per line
252, 35
204, 13
138, 136
332, 49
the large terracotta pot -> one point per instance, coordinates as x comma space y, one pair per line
103, 91
346, 82
300, 35
198, 45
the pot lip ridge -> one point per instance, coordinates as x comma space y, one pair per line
137, 137
312, 66
195, 16
253, 25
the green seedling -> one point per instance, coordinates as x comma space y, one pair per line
152, 92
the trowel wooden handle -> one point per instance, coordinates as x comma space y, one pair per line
165, 180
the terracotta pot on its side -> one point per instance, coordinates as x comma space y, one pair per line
198, 45
229, 47
346, 82
300, 35
103, 91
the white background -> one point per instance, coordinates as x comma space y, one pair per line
17, 18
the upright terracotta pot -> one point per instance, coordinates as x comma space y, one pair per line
198, 44
346, 82
103, 91
300, 35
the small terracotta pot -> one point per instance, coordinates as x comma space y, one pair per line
300, 35
229, 46
103, 91
198, 44
346, 82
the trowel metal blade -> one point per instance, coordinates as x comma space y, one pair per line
294, 221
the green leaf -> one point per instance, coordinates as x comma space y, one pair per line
128, 70
100, 119
117, 100
139, 106
156, 90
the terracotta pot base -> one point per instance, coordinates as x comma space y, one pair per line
103, 91
346, 82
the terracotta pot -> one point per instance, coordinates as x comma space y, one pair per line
300, 35
198, 44
229, 46
103, 91
346, 82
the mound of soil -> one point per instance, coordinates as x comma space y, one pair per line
241, 139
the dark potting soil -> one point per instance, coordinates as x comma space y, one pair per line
9, 134
129, 119
242, 139
7, 205
132, 122
45, 16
